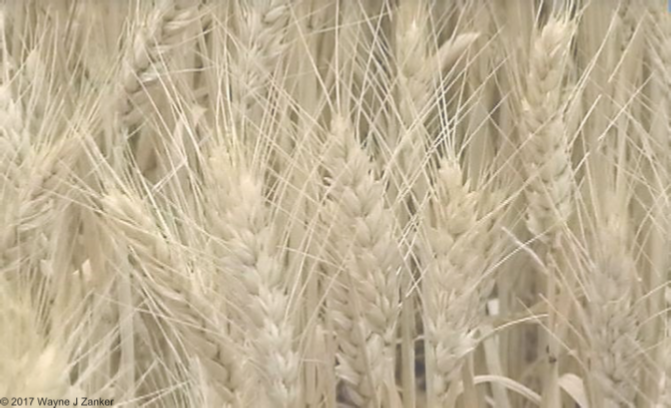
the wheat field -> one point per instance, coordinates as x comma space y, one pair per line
335, 203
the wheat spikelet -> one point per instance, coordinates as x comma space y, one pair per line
413, 99
61, 300
34, 81
652, 208
364, 298
201, 393
481, 146
350, 39
295, 149
253, 259
413, 95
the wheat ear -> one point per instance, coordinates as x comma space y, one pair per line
614, 315
147, 55
364, 297
454, 282
253, 258
548, 165
546, 150
33, 365
159, 271
261, 36
419, 77
410, 148
33, 207
46, 171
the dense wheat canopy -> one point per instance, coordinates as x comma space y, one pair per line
335, 203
